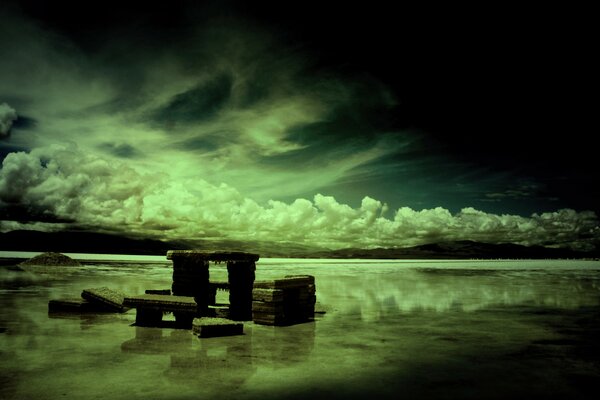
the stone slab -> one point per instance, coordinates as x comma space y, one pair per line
109, 298
309, 278
165, 292
268, 319
270, 308
212, 327
162, 302
284, 283
270, 295
218, 256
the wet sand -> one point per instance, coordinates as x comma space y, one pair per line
389, 331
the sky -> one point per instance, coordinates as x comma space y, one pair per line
318, 123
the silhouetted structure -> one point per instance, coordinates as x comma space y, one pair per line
191, 278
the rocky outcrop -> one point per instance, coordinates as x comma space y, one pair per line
51, 259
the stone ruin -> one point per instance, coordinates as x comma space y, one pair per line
192, 298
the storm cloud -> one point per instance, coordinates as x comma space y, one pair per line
66, 182
206, 124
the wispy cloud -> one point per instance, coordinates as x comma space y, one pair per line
8, 116
204, 137
230, 102
518, 191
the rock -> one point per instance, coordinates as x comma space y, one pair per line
212, 327
51, 259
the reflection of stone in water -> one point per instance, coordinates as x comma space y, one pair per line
219, 364
87, 320
211, 365
153, 341
283, 345
449, 290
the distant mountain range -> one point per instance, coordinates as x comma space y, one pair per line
102, 243
462, 249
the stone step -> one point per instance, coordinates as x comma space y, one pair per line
109, 298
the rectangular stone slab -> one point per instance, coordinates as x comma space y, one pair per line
270, 308
219, 256
166, 292
309, 278
109, 298
212, 327
269, 295
268, 319
162, 302
285, 283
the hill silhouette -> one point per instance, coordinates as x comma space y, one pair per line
103, 243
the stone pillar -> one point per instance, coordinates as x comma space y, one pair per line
191, 278
241, 281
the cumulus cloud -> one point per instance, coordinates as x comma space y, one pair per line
69, 184
8, 115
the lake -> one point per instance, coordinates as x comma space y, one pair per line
390, 329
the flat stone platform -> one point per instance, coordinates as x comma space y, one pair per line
151, 307
162, 302
218, 256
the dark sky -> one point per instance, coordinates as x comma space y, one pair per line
478, 107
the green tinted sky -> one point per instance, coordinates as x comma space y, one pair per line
331, 124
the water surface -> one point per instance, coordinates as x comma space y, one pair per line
416, 329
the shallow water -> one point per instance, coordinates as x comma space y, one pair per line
416, 329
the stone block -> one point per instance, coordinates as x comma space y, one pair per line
285, 283
212, 327
269, 295
269, 308
268, 319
